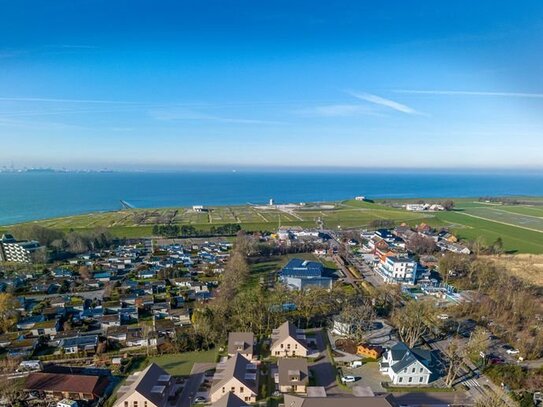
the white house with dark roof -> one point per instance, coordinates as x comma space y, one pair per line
238, 376
151, 387
287, 342
241, 342
406, 366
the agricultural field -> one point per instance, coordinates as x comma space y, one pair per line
519, 226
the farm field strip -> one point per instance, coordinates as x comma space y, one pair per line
509, 218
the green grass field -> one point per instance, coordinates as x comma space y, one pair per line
519, 226
180, 364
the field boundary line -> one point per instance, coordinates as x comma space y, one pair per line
502, 223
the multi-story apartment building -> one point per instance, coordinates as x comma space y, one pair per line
398, 270
13, 250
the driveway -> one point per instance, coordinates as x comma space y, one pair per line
324, 370
193, 383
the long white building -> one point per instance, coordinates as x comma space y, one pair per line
12, 250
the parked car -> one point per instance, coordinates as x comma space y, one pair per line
348, 379
512, 351
443, 316
200, 399
496, 361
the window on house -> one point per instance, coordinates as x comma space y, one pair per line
413, 371
126, 404
420, 379
135, 404
144, 404
421, 369
281, 346
410, 379
401, 379
223, 389
241, 389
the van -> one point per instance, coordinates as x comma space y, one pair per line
356, 363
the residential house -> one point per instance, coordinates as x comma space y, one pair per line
60, 386
293, 375
369, 351
241, 342
49, 328
287, 342
150, 388
230, 400
407, 366
238, 376
79, 344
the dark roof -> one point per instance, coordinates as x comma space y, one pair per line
302, 268
290, 368
238, 367
386, 400
406, 357
230, 400
240, 342
69, 383
153, 383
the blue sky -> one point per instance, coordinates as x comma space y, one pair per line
171, 84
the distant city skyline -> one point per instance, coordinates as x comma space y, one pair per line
211, 84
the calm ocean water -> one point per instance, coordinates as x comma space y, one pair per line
31, 196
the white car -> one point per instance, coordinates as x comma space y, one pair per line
443, 316
199, 400
512, 351
348, 379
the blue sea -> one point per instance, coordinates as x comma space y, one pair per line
39, 195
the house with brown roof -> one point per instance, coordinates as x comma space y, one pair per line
151, 387
385, 400
293, 375
238, 376
241, 342
71, 386
287, 342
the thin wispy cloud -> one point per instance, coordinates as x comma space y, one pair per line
381, 101
54, 100
176, 114
339, 110
470, 93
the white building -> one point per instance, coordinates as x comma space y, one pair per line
12, 250
405, 366
398, 270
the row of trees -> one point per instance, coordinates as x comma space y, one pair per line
169, 230
73, 242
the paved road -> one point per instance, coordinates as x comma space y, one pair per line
434, 399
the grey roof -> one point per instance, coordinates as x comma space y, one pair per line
148, 380
385, 400
229, 400
287, 329
293, 367
240, 342
237, 367
405, 357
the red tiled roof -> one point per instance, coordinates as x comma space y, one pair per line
69, 383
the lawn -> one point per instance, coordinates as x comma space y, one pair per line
180, 364
514, 238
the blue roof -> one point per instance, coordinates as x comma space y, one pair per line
302, 268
